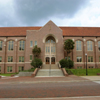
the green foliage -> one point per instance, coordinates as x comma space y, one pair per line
82, 72
69, 45
66, 63
63, 63
36, 51
8, 74
36, 63
70, 64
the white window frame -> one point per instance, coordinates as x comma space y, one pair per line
1, 45
91, 58
80, 59
30, 57
35, 43
89, 46
20, 68
21, 45
0, 58
9, 68
11, 45
78, 45
31, 43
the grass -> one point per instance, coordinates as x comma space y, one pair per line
8, 74
82, 72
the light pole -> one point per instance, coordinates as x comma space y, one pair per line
86, 63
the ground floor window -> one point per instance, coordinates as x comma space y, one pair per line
90, 66
0, 59
21, 68
79, 67
0, 68
30, 57
9, 69
90, 58
21, 58
67, 57
79, 59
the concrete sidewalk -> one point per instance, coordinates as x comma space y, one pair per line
58, 98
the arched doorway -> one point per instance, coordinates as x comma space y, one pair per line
50, 50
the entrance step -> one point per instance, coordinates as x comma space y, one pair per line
48, 66
50, 73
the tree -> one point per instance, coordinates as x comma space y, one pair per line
36, 51
69, 46
36, 63
70, 63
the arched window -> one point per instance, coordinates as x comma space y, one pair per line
0, 45
99, 45
89, 46
21, 45
78, 45
10, 45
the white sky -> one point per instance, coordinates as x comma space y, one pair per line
12, 14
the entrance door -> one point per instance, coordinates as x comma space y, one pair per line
52, 60
47, 60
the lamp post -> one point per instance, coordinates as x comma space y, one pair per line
86, 63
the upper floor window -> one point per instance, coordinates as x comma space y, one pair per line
10, 45
31, 43
89, 46
31, 57
35, 43
0, 45
78, 45
21, 45
99, 45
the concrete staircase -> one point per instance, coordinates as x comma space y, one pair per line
50, 71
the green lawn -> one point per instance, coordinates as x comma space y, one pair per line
82, 72
8, 74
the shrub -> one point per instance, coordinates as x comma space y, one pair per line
66, 63
63, 63
70, 63
36, 63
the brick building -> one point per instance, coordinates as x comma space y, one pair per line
16, 44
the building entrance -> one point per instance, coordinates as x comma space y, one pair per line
50, 50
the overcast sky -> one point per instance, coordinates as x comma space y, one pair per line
84, 13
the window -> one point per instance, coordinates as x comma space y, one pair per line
21, 58
67, 57
99, 45
78, 45
0, 45
21, 45
90, 66
35, 43
79, 67
10, 45
89, 46
21, 68
99, 59
47, 49
9, 69
90, 59
31, 57
52, 49
0, 59
79, 59
10, 59
31, 43
0, 68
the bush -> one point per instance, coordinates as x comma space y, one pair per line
66, 63
36, 63
63, 63
70, 64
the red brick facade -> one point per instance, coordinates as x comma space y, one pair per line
40, 34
